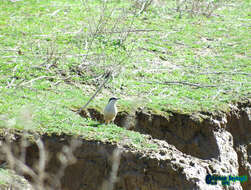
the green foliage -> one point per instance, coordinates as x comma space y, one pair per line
53, 56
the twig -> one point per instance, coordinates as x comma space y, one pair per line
107, 77
183, 83
41, 77
144, 6
80, 30
152, 51
13, 77
55, 13
225, 72
131, 31
189, 84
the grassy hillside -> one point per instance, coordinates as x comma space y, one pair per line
53, 55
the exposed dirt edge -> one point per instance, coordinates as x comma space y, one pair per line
165, 168
196, 134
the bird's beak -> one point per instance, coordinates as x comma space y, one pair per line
117, 98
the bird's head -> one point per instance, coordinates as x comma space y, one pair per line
113, 99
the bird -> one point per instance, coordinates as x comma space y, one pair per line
110, 110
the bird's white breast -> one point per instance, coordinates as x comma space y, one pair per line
111, 108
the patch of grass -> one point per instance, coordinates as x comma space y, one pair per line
42, 112
53, 56
9, 179
3, 174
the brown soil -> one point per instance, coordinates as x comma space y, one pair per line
190, 147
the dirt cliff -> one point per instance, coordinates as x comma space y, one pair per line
189, 148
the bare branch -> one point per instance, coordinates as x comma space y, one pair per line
226, 73
144, 6
182, 83
107, 77
35, 79
13, 77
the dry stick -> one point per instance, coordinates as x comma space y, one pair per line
22, 83
188, 83
133, 31
80, 30
144, 6
226, 73
38, 78
183, 83
13, 77
107, 77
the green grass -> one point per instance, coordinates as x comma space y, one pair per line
9, 179
42, 44
3, 174
26, 110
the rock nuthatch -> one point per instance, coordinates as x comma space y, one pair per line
110, 110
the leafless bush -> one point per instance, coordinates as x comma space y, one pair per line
102, 39
197, 7
106, 34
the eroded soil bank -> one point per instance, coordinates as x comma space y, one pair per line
190, 147
164, 168
223, 136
